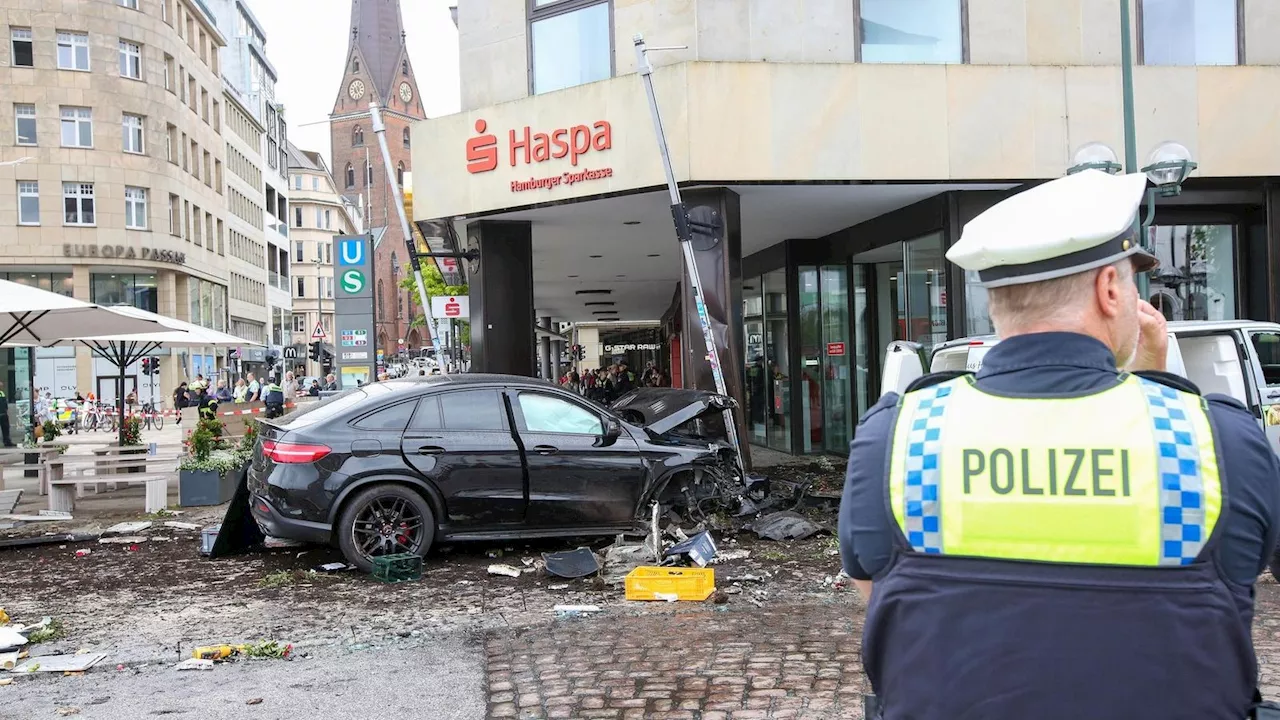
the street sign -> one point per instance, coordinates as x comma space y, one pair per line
451, 306
318, 333
354, 309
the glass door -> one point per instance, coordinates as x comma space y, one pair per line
862, 341
925, 279
778, 362
838, 413
756, 374
811, 361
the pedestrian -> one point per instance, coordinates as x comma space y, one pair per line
273, 398
254, 392
4, 417
224, 394
330, 382
290, 386
180, 399
1071, 532
314, 390
240, 392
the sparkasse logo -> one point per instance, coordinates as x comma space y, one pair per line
530, 147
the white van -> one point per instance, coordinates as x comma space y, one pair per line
1238, 358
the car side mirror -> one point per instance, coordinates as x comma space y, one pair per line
612, 431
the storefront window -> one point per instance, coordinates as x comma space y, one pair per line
777, 359
838, 411
124, 289
757, 374
60, 283
926, 292
911, 31
1189, 32
977, 318
1196, 278
570, 48
810, 405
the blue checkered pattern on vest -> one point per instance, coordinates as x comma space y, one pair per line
923, 511
1182, 530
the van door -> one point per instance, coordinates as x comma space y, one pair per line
1265, 346
904, 363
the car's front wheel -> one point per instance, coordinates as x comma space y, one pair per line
385, 520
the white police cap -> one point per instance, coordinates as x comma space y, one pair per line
1066, 226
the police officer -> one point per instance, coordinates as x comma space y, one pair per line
1061, 535
273, 398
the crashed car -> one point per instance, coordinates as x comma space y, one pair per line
397, 466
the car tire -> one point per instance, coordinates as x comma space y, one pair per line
364, 508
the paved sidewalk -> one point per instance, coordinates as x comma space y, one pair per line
732, 663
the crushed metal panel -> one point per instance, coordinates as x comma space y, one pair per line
572, 564
786, 525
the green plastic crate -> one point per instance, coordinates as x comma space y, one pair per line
397, 568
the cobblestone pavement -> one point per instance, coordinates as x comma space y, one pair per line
734, 663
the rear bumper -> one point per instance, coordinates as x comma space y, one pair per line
275, 524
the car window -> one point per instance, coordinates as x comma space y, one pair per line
547, 414
313, 413
428, 415
472, 410
393, 417
1267, 346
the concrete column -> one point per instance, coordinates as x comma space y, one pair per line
557, 348
544, 350
718, 253
501, 284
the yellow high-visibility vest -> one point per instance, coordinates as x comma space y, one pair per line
1123, 476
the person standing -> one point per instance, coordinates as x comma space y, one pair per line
180, 399
1072, 532
273, 398
331, 382
4, 417
224, 393
254, 393
241, 391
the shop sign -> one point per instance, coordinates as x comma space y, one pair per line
530, 148
454, 306
120, 252
611, 349
835, 349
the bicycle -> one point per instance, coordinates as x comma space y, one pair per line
152, 417
94, 418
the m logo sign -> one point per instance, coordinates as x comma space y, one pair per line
482, 151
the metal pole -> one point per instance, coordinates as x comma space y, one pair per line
684, 236
380, 130
1130, 130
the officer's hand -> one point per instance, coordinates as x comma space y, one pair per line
1153, 340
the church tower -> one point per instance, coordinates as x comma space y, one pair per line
378, 69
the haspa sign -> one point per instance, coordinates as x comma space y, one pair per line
531, 148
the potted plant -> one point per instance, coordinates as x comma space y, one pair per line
209, 473
50, 430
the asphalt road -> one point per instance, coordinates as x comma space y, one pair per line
442, 679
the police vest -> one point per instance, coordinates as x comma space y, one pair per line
1055, 558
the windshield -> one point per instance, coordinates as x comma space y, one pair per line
329, 407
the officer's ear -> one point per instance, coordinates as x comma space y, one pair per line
1109, 289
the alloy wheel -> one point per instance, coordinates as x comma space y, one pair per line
387, 525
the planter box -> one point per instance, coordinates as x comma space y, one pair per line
206, 487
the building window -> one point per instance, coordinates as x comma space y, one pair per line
131, 4
406, 137
404, 67
1190, 32
73, 51
368, 173
400, 174
130, 60
297, 182
1196, 278
28, 203
319, 219
357, 136
135, 208
355, 65
328, 218
297, 251
302, 287
351, 176
571, 43
133, 134
297, 217
910, 31
136, 290
77, 127
77, 204
299, 323
23, 56
326, 288
175, 215
315, 182
25, 120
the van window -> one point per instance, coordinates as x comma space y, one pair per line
1267, 346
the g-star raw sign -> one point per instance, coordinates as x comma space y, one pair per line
120, 252
529, 148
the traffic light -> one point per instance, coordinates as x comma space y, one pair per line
314, 351
579, 353
146, 366
155, 366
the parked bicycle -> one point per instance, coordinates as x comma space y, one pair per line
151, 416
94, 417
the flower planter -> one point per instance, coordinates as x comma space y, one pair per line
207, 487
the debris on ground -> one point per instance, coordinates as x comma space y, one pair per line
8, 660
195, 664
9, 500
333, 567
275, 543
575, 610
123, 540
506, 570
725, 555
785, 525
572, 564
700, 548
59, 663
253, 701
11, 638
127, 528
619, 560
670, 584
68, 710
44, 631
176, 525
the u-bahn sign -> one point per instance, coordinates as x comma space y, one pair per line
353, 305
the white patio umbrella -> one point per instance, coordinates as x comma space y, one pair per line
122, 350
31, 316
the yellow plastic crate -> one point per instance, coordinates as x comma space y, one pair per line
660, 583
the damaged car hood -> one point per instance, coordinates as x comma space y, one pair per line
661, 410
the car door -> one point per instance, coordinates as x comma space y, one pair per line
578, 477
462, 442
1266, 351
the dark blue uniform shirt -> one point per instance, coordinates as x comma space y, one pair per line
1049, 364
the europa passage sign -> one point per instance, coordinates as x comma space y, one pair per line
355, 348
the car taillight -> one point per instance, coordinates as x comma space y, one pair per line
286, 452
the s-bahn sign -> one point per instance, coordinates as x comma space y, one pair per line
353, 305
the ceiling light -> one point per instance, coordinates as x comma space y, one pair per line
619, 275
592, 292
604, 312
595, 256
573, 276
654, 255
631, 222
599, 303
